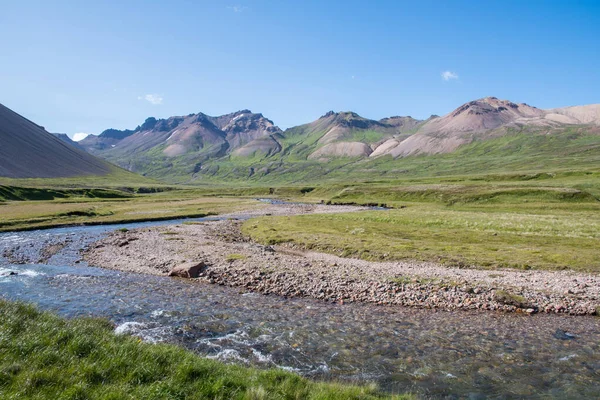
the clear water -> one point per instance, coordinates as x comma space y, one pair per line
437, 354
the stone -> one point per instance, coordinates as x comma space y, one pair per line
188, 270
563, 335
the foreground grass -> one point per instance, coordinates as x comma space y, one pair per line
538, 235
47, 357
19, 215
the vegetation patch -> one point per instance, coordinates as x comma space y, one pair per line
234, 257
172, 204
504, 297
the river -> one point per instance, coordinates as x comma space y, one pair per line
437, 354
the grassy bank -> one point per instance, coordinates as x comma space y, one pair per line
73, 210
47, 357
496, 233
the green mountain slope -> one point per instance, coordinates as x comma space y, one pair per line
517, 151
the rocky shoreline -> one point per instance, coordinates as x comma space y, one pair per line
222, 255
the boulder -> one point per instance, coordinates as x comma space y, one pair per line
188, 270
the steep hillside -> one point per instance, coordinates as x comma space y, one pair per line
28, 151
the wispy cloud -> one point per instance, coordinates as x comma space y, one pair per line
79, 136
155, 99
449, 75
237, 9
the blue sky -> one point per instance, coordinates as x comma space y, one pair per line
83, 66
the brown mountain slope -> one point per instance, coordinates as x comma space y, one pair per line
483, 119
187, 140
28, 151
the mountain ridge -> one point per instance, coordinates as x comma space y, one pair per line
197, 144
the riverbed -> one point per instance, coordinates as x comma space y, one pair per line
438, 354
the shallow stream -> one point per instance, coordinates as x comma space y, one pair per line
434, 353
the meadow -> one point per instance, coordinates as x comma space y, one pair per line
537, 236
74, 207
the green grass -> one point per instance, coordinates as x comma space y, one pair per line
47, 357
528, 235
234, 257
22, 215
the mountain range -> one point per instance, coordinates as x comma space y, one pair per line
196, 144
244, 145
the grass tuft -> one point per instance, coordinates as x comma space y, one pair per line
233, 257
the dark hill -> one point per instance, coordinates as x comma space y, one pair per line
28, 151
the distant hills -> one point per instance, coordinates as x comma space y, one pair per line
28, 151
248, 146
191, 139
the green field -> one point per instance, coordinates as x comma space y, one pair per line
47, 357
486, 226
74, 207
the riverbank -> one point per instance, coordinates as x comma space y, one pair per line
45, 356
229, 258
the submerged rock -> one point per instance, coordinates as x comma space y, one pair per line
563, 335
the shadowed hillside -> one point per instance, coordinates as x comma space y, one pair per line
28, 151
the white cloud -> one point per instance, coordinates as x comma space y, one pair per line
79, 136
237, 9
155, 99
448, 75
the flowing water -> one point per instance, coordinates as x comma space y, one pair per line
433, 353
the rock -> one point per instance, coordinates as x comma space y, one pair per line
562, 335
188, 270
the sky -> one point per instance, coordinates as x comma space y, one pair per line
83, 66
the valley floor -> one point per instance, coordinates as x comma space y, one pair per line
233, 259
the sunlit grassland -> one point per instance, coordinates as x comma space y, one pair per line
537, 235
15, 215
47, 357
